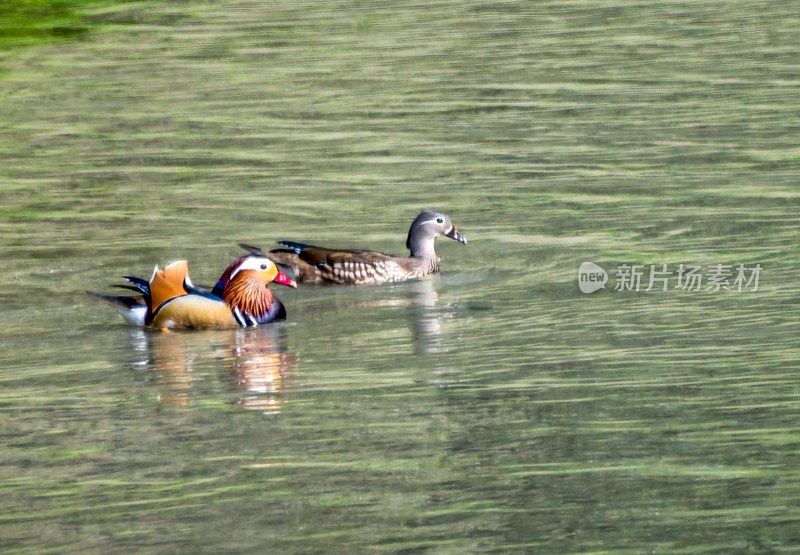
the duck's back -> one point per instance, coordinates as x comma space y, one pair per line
346, 267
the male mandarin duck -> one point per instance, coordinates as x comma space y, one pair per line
310, 264
170, 300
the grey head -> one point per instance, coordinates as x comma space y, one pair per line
424, 230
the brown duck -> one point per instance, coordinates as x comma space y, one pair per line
318, 265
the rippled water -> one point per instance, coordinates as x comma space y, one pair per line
494, 408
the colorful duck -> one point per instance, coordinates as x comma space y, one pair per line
310, 264
170, 300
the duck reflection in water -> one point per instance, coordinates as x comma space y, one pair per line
427, 319
256, 360
260, 365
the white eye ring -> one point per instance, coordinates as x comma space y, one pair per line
439, 220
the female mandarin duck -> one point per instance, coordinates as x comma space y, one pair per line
311, 264
169, 300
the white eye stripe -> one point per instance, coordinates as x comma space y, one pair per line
253, 263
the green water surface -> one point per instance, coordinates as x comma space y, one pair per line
494, 408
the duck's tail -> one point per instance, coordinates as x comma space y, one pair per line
132, 309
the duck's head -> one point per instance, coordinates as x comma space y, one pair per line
265, 270
262, 267
429, 225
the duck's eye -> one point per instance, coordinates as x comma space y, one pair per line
263, 266
439, 220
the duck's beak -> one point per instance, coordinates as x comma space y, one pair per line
454, 234
283, 279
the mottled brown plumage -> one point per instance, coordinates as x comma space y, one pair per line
318, 265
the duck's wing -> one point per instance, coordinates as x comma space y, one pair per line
349, 267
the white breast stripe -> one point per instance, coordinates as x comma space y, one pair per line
237, 315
